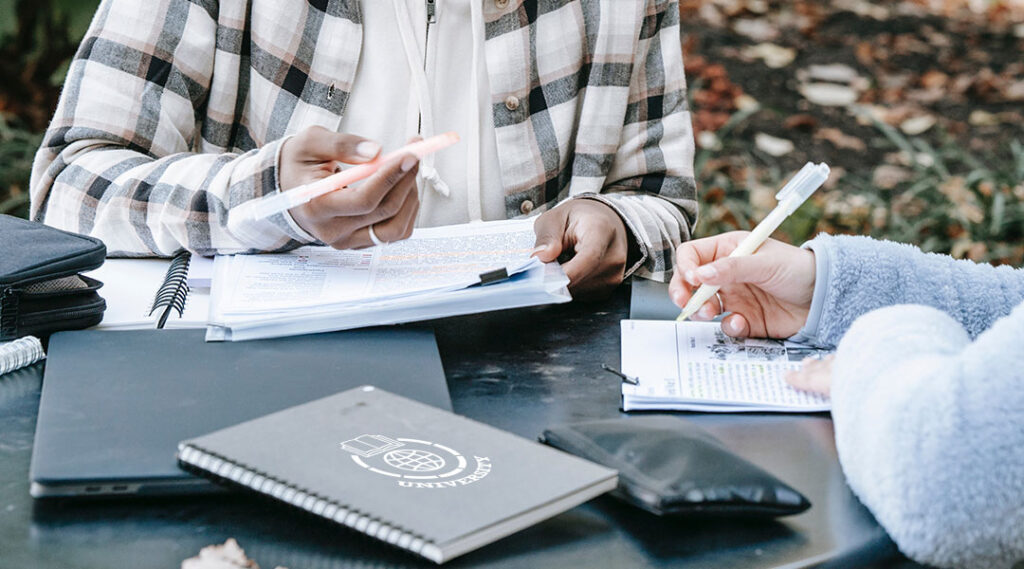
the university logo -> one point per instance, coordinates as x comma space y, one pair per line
414, 463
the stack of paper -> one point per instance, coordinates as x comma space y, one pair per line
438, 272
694, 366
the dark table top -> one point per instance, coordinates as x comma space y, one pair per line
519, 370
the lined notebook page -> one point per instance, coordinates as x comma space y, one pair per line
695, 366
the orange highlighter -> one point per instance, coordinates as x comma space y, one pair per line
283, 201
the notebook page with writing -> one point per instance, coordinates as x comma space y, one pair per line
694, 366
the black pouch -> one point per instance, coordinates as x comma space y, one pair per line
40, 288
669, 466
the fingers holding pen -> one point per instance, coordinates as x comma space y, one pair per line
396, 175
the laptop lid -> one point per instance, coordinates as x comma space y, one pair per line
114, 405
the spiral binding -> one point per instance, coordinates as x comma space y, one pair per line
174, 291
20, 353
210, 465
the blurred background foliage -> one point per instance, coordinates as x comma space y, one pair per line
915, 104
37, 40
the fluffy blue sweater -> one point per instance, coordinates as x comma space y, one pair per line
927, 395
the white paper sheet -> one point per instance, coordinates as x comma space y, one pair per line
695, 366
432, 259
129, 288
430, 275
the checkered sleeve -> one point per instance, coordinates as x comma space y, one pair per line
120, 159
651, 181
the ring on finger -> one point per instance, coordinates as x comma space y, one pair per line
376, 240
721, 305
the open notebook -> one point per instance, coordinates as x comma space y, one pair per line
139, 292
694, 366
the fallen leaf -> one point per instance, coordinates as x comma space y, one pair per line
757, 6
887, 177
983, 118
833, 73
774, 56
801, 121
829, 94
934, 79
840, 140
709, 141
1014, 91
834, 178
228, 555
772, 145
758, 29
745, 102
927, 96
762, 197
865, 53
864, 8
918, 125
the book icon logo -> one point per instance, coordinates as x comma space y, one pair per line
415, 463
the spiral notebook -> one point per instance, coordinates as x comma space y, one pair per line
151, 293
413, 476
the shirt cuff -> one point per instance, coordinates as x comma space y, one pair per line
630, 227
273, 232
299, 234
822, 275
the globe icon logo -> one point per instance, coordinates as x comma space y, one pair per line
414, 460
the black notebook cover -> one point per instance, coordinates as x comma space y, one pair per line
431, 482
115, 404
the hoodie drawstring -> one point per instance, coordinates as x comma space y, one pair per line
474, 197
421, 90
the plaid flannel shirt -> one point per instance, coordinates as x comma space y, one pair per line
174, 112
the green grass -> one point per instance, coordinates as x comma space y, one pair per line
17, 148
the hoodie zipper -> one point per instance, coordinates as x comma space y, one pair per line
431, 19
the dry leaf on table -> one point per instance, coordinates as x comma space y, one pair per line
228, 555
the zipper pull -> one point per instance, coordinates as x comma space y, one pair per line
431, 11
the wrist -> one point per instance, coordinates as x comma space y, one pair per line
819, 287
637, 253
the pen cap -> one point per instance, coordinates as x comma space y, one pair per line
806, 182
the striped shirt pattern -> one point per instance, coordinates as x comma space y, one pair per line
174, 113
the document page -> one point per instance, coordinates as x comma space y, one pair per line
432, 260
452, 256
695, 366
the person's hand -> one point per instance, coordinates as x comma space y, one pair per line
595, 237
769, 293
388, 200
815, 375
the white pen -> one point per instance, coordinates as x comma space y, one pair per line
790, 197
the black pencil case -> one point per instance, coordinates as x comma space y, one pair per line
40, 288
670, 466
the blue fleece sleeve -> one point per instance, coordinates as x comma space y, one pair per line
856, 275
929, 427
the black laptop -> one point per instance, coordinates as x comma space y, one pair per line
115, 404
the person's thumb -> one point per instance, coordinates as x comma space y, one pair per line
322, 144
353, 149
752, 269
550, 230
